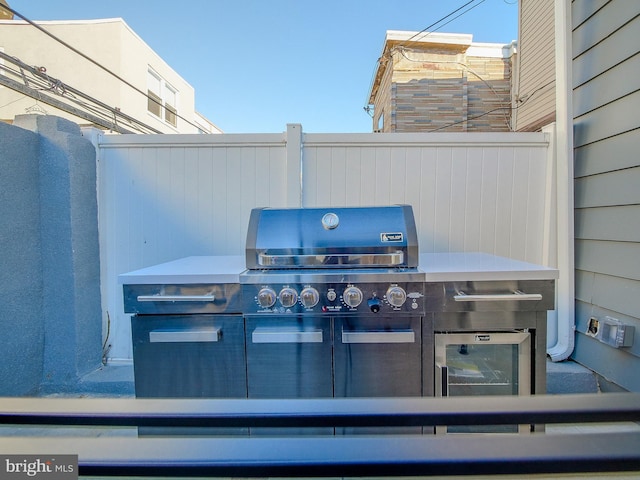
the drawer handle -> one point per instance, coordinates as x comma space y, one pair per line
397, 336
268, 260
284, 335
516, 296
209, 297
169, 335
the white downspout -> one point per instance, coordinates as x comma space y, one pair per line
565, 304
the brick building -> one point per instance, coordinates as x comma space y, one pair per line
441, 82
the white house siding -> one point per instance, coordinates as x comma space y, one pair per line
167, 197
536, 72
606, 101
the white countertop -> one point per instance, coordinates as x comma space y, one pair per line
437, 267
198, 269
444, 267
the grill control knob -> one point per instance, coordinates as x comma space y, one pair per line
374, 304
396, 296
309, 297
266, 297
352, 296
288, 297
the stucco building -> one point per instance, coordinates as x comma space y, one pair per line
135, 81
442, 82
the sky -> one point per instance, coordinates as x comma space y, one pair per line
257, 66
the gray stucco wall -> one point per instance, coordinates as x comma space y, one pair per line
49, 190
21, 319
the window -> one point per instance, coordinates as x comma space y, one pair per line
162, 99
154, 92
170, 111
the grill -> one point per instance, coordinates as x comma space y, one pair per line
333, 303
327, 261
332, 238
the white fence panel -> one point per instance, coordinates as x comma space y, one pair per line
469, 192
163, 197
167, 197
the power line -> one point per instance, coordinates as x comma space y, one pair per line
86, 57
427, 30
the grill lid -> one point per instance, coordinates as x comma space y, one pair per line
352, 237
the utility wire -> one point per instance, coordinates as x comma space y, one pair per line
86, 57
426, 31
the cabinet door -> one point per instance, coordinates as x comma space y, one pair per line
189, 356
289, 357
378, 357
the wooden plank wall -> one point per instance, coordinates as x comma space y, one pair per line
534, 84
606, 101
172, 196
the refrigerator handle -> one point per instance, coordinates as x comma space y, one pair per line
443, 371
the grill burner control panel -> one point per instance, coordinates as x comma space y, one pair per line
379, 298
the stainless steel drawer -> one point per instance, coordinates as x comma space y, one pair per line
510, 295
187, 298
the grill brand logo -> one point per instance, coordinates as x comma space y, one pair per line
483, 338
391, 237
58, 467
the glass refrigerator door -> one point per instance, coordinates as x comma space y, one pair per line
474, 364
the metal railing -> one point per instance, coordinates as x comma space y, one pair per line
319, 456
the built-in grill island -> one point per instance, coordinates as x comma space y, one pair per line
338, 302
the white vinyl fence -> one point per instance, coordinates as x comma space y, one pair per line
163, 197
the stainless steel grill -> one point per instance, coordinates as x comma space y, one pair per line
333, 303
333, 260
332, 238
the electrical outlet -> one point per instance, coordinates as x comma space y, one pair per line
611, 331
592, 328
